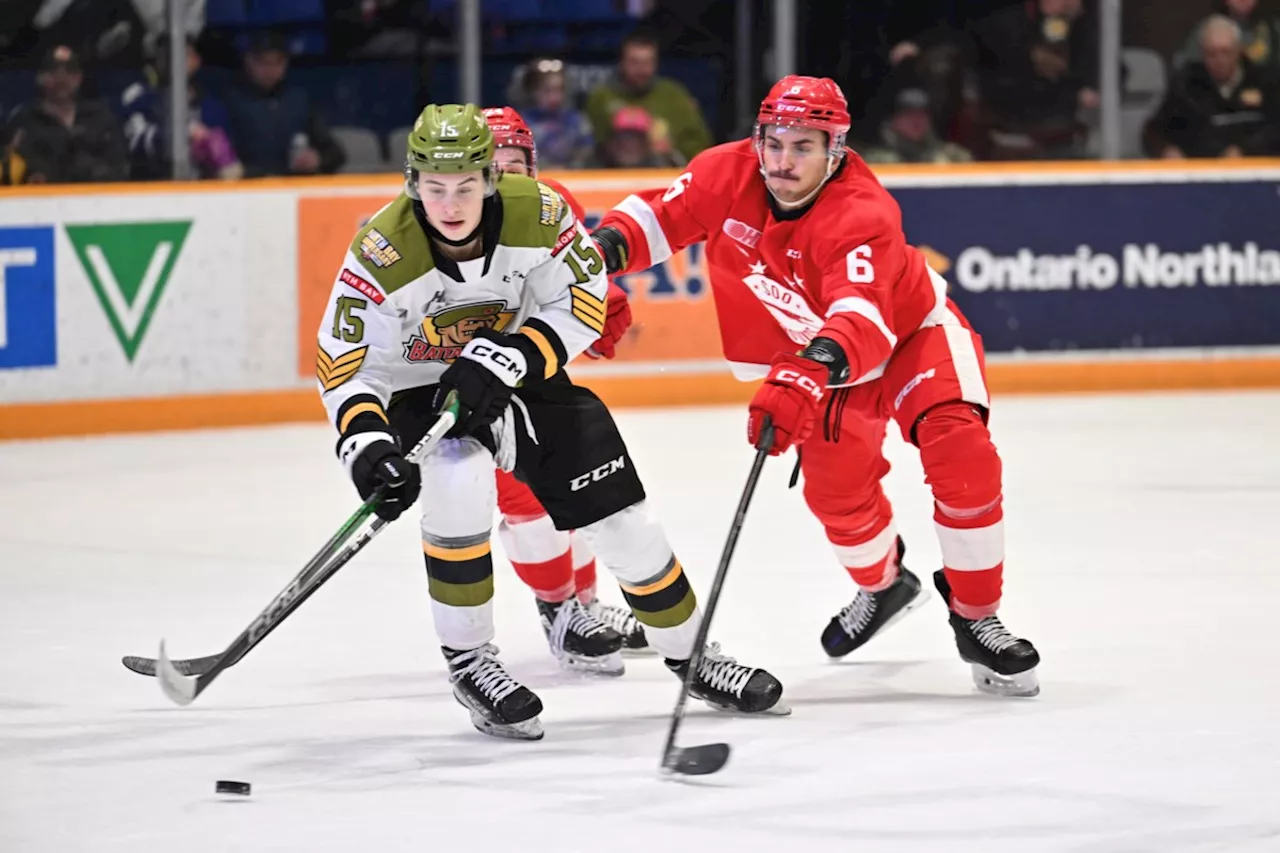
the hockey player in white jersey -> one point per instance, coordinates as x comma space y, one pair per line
489, 287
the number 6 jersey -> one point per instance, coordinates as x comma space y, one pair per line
839, 268
400, 313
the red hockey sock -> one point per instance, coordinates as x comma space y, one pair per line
871, 560
541, 556
964, 470
584, 569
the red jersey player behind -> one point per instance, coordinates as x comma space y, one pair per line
558, 565
818, 292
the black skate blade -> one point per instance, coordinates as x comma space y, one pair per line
697, 760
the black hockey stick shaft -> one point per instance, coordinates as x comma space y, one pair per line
202, 665
184, 689
288, 601
670, 753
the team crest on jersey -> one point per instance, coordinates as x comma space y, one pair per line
378, 249
742, 232
552, 205
785, 302
442, 336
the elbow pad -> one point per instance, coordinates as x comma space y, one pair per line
613, 246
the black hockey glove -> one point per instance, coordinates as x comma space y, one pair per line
374, 462
484, 374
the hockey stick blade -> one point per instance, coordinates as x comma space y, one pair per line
710, 757
697, 760
182, 689
186, 666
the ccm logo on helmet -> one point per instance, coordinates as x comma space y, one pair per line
804, 383
597, 474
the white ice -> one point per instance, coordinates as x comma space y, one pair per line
1141, 561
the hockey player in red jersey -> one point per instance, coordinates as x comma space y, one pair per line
818, 293
558, 565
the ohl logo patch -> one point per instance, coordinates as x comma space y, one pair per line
442, 336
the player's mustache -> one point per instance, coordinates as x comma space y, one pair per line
788, 176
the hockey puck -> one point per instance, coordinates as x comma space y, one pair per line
225, 787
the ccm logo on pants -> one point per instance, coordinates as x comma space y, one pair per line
598, 474
804, 383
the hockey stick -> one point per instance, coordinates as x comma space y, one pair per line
199, 666
710, 757
183, 689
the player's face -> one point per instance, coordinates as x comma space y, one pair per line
511, 161
795, 161
453, 202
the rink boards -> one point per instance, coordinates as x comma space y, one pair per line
155, 306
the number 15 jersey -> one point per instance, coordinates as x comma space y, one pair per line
400, 313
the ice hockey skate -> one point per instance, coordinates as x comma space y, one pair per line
872, 612
500, 706
1003, 664
727, 685
580, 641
622, 620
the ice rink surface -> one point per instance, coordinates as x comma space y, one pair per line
1142, 562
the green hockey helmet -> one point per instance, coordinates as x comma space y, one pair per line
448, 139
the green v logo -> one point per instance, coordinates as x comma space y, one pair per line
129, 264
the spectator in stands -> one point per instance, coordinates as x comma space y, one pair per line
563, 133
679, 127
113, 32
909, 137
1221, 106
146, 126
13, 169
274, 126
1037, 70
630, 144
1260, 35
63, 138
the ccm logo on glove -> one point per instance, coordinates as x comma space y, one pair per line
804, 383
507, 363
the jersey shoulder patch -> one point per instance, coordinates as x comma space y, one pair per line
532, 212
393, 247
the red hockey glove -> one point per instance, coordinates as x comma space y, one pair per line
616, 322
790, 398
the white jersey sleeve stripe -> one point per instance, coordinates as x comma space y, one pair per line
635, 207
864, 308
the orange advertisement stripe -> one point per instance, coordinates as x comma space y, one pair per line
89, 417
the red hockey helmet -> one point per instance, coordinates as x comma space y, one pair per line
510, 131
816, 102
